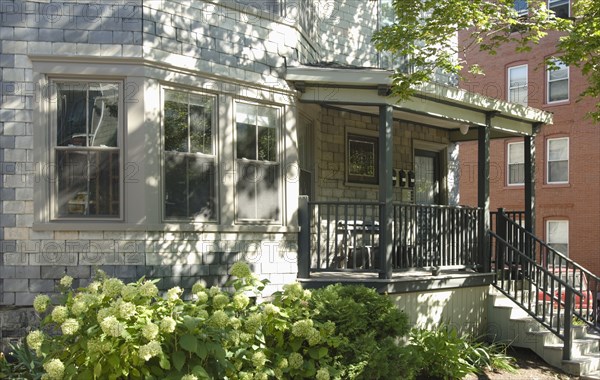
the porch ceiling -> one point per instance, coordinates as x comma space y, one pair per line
363, 90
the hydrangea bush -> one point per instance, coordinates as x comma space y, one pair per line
111, 330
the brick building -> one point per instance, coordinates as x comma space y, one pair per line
567, 163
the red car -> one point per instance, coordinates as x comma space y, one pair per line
548, 290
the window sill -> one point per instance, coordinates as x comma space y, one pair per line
557, 103
555, 185
514, 187
162, 227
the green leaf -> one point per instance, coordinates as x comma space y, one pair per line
190, 322
201, 351
178, 360
164, 362
98, 369
200, 372
188, 343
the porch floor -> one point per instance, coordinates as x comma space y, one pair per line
407, 281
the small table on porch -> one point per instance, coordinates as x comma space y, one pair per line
358, 243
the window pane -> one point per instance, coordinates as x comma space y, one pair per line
517, 76
201, 128
175, 122
521, 7
361, 158
516, 174
558, 235
246, 141
267, 139
561, 73
558, 171
558, 90
104, 114
560, 7
190, 190
88, 183
257, 191
245, 113
558, 149
516, 153
518, 95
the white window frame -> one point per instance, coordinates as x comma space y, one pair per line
548, 161
550, 4
201, 217
549, 82
519, 87
509, 163
54, 148
549, 239
242, 160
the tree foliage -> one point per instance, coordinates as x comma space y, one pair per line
425, 31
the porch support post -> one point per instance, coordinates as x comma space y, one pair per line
483, 190
529, 145
303, 237
386, 145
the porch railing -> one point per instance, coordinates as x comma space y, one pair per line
546, 283
344, 236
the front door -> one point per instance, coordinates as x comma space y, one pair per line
427, 177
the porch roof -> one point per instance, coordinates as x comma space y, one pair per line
447, 107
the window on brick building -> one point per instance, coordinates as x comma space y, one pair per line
516, 163
88, 123
517, 84
258, 188
557, 84
521, 7
362, 159
189, 128
560, 7
557, 235
557, 160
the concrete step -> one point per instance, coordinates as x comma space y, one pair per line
591, 376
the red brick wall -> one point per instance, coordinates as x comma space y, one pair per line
579, 201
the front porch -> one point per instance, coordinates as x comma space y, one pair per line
380, 211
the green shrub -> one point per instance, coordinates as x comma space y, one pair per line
371, 327
446, 355
110, 330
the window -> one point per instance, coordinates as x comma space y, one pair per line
517, 84
558, 160
189, 156
516, 163
88, 123
363, 159
560, 7
258, 169
558, 82
521, 7
557, 235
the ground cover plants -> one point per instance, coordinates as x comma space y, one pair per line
112, 330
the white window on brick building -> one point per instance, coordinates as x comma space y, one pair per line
557, 82
557, 160
258, 187
557, 235
517, 84
516, 163
560, 7
189, 133
86, 143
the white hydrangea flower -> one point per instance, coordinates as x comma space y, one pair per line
70, 326
66, 281
35, 340
112, 287
129, 292
55, 369
150, 331
59, 314
173, 294
126, 310
150, 350
148, 289
322, 374
189, 377
111, 326
41, 302
168, 325
241, 270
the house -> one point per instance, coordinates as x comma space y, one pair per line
567, 176
169, 139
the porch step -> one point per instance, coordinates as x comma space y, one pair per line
507, 322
